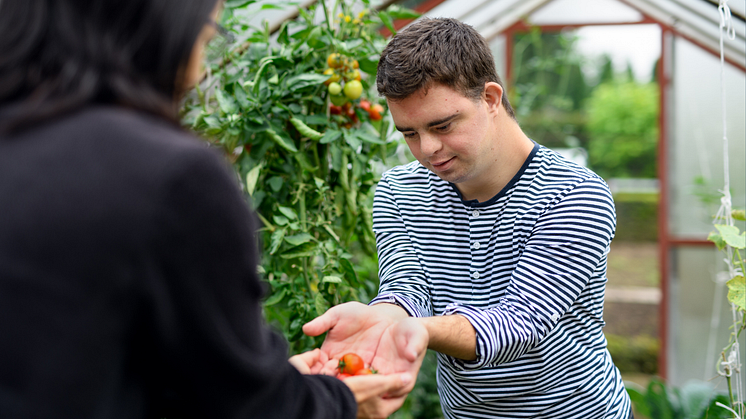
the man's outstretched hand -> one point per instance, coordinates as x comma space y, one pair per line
383, 335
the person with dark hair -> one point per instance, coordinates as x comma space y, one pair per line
497, 245
128, 256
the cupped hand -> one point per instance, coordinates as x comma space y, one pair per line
352, 327
402, 348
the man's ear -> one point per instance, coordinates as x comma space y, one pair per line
493, 94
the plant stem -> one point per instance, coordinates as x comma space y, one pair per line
326, 17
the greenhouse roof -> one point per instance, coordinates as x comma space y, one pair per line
696, 20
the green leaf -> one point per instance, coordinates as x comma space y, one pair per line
330, 135
237, 4
353, 140
320, 304
731, 236
369, 65
332, 278
638, 398
298, 239
398, 12
275, 298
252, 177
282, 140
294, 255
348, 270
276, 240
289, 212
369, 138
737, 291
304, 80
227, 104
739, 215
275, 182
280, 220
386, 19
717, 239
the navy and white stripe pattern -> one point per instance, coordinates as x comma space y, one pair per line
527, 268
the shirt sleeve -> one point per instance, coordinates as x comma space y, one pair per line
565, 247
223, 361
403, 281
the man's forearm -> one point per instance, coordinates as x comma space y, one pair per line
452, 335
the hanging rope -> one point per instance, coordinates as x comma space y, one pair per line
730, 365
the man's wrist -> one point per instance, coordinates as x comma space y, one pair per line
452, 335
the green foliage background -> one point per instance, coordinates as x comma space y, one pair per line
309, 172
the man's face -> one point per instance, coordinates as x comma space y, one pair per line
449, 133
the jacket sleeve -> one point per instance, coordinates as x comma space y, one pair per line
566, 246
403, 281
208, 324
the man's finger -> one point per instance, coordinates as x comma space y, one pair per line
321, 324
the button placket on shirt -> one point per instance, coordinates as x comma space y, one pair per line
475, 246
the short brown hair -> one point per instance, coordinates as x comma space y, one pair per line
440, 50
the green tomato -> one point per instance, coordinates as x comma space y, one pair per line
335, 89
353, 89
338, 100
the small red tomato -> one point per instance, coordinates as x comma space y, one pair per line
335, 110
375, 112
343, 376
365, 371
365, 105
350, 364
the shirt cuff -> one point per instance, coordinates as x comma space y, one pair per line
484, 327
412, 309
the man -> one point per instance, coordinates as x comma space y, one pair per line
496, 244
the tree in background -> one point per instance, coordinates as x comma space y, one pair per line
549, 88
623, 129
612, 116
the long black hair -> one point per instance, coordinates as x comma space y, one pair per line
59, 55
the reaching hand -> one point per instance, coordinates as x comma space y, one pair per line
370, 393
311, 362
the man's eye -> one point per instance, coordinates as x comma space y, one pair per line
409, 134
443, 127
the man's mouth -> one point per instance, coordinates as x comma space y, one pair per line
442, 164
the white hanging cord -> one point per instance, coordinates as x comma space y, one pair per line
731, 365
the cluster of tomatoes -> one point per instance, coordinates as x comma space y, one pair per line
344, 86
344, 77
351, 364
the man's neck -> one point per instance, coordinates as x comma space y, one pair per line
511, 149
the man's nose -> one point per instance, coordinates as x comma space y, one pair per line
429, 144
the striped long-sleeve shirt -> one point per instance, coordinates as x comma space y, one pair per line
527, 268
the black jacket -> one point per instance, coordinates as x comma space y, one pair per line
128, 284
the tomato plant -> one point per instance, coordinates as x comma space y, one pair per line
283, 106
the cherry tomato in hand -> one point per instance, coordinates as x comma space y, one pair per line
350, 364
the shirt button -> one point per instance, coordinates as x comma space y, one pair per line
475, 245
555, 317
475, 213
475, 275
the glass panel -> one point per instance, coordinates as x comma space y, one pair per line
561, 12
697, 334
695, 139
497, 45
